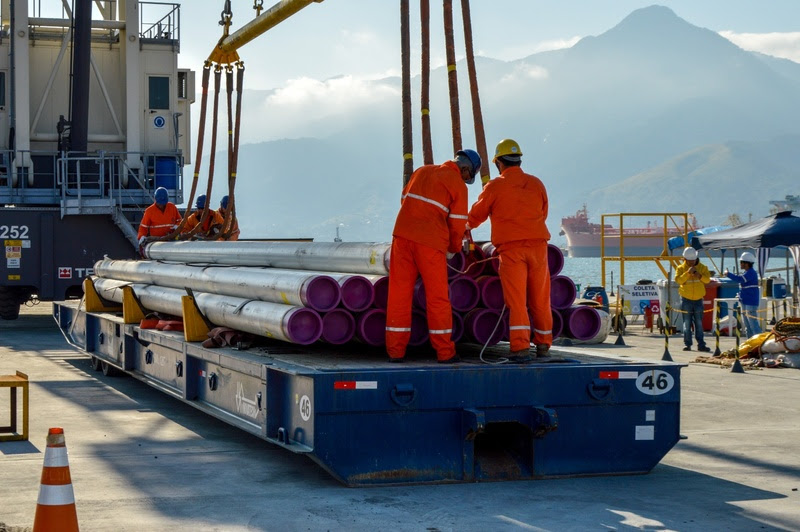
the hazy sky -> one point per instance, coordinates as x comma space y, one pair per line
360, 38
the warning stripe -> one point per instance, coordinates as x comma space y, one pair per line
619, 375
55, 457
56, 495
54, 476
355, 385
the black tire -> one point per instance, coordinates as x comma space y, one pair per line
96, 365
9, 303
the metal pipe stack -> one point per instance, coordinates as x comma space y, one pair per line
301, 292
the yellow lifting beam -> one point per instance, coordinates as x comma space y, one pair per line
225, 51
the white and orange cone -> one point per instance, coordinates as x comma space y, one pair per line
55, 509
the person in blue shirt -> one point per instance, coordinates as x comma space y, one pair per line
749, 293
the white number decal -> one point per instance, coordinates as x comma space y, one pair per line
13, 231
655, 382
305, 408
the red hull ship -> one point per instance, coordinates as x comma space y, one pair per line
584, 237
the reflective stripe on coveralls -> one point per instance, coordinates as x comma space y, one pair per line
158, 223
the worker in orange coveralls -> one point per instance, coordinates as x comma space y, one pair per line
159, 219
213, 220
517, 204
429, 230
223, 208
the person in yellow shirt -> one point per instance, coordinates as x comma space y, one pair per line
692, 278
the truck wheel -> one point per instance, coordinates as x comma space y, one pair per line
9, 303
96, 364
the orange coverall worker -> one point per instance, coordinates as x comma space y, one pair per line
212, 219
156, 222
234, 229
431, 221
517, 204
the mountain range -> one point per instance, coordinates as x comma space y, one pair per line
654, 115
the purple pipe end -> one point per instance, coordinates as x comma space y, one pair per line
492, 266
558, 324
322, 293
474, 266
456, 264
479, 324
381, 288
491, 292
338, 326
302, 326
562, 292
464, 293
371, 327
555, 259
419, 328
458, 328
582, 322
357, 293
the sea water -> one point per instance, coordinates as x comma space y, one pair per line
586, 271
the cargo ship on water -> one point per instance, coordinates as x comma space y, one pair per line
584, 238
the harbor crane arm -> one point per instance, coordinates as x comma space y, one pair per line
225, 52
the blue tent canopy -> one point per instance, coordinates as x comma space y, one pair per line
780, 229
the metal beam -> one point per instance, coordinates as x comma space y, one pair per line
225, 51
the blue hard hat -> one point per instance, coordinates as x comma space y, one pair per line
201, 201
161, 196
474, 158
224, 202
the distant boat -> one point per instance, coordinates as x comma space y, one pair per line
584, 237
789, 203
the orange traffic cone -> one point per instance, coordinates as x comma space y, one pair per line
55, 509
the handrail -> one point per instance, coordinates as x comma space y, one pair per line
72, 178
669, 228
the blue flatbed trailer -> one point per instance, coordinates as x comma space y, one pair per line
368, 422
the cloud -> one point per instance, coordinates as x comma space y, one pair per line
525, 71
306, 107
785, 45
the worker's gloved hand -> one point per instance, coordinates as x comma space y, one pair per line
142, 241
450, 255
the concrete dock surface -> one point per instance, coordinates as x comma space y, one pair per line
141, 460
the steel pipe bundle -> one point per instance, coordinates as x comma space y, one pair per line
371, 327
555, 259
481, 326
289, 323
350, 257
338, 327
489, 251
419, 328
603, 331
380, 289
581, 322
562, 292
291, 287
491, 291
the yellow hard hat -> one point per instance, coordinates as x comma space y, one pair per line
507, 147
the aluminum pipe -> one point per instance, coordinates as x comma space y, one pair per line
290, 287
349, 257
293, 324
